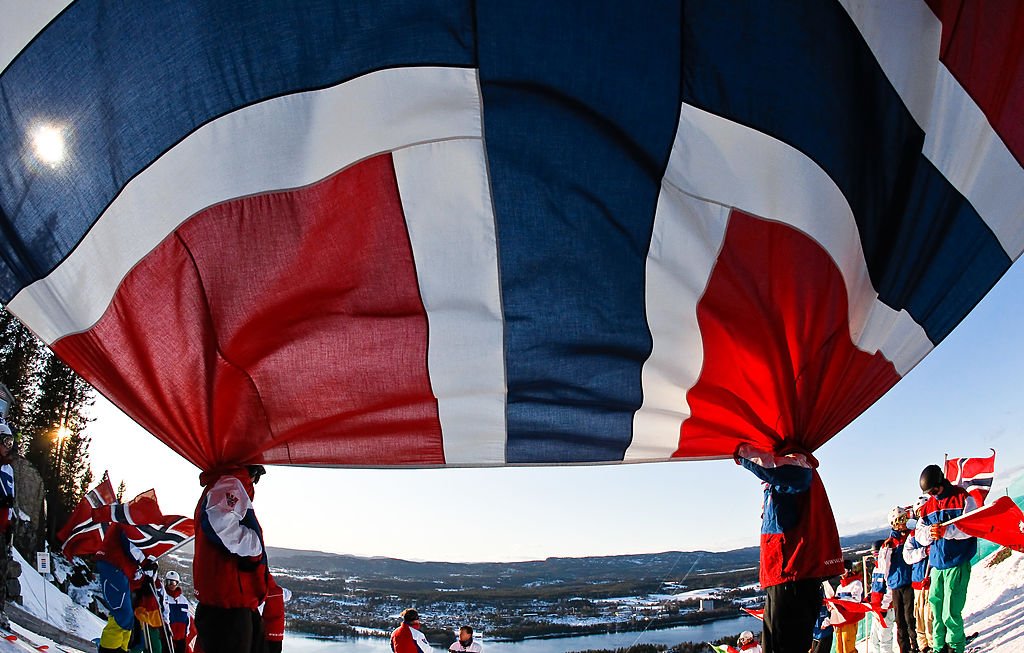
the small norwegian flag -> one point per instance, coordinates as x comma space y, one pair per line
972, 474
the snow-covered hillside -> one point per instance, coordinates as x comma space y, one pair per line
48, 603
995, 608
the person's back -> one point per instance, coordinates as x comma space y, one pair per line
407, 638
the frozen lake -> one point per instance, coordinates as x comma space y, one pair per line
703, 633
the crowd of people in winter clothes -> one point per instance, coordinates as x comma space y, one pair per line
920, 576
241, 607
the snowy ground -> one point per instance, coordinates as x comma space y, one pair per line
45, 601
995, 605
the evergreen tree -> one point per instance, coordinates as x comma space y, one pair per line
21, 355
120, 492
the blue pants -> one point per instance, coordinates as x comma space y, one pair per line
116, 594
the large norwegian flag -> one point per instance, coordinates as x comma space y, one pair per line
481, 232
972, 474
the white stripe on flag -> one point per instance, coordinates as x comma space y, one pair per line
959, 140
21, 21
448, 210
688, 235
284, 143
733, 166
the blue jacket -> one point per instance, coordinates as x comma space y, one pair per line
955, 547
900, 573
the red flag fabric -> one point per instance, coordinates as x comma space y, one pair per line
852, 611
82, 535
754, 613
1001, 522
143, 509
972, 474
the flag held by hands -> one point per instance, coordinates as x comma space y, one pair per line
1001, 522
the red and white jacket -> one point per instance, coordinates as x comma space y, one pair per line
230, 563
408, 639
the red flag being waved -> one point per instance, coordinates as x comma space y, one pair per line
1001, 522
754, 613
145, 525
82, 534
143, 509
972, 474
851, 611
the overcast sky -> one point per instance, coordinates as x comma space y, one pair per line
967, 396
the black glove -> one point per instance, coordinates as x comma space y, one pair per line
6, 502
148, 564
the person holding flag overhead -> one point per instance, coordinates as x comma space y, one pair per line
950, 556
230, 572
799, 544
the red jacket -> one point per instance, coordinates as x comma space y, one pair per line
230, 564
799, 539
273, 612
403, 641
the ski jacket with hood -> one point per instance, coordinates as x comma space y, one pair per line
799, 539
230, 560
955, 547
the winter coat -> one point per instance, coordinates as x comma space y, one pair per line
899, 572
881, 595
409, 639
230, 562
799, 539
850, 589
176, 612
916, 556
955, 547
6, 492
273, 611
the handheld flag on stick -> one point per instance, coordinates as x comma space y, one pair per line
1001, 522
972, 474
754, 613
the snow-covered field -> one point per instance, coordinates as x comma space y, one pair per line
995, 605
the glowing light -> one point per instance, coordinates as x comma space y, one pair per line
63, 433
48, 143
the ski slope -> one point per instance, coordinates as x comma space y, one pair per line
995, 608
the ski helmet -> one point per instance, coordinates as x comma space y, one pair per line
745, 637
899, 515
172, 575
931, 478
